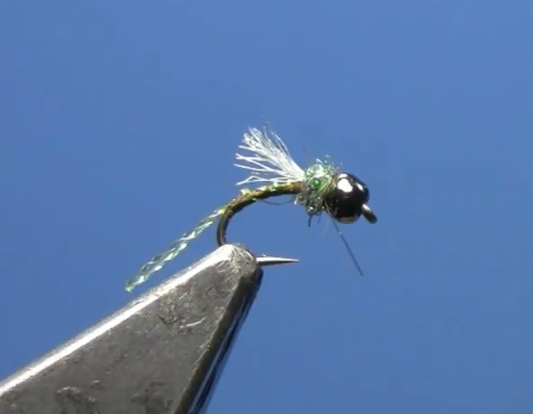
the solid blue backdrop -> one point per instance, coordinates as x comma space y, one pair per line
119, 124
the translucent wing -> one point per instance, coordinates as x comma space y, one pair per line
270, 161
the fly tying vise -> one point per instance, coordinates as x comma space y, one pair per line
322, 187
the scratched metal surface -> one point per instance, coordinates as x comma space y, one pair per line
160, 354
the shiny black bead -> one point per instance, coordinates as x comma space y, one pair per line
347, 201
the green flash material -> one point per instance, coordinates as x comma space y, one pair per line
157, 262
317, 181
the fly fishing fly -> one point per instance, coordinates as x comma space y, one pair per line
320, 188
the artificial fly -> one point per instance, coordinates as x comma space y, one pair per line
320, 188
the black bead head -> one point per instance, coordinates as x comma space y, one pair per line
347, 201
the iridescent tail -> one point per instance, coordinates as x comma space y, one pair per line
157, 262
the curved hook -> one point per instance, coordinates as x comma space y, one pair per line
248, 198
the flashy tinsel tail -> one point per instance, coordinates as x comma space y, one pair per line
157, 262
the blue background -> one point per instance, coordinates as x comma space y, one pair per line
119, 124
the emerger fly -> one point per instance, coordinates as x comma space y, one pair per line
322, 187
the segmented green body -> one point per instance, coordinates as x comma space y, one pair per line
249, 197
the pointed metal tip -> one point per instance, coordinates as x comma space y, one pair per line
272, 261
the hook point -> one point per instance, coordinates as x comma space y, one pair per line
272, 261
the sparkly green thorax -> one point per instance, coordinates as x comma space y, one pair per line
319, 178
